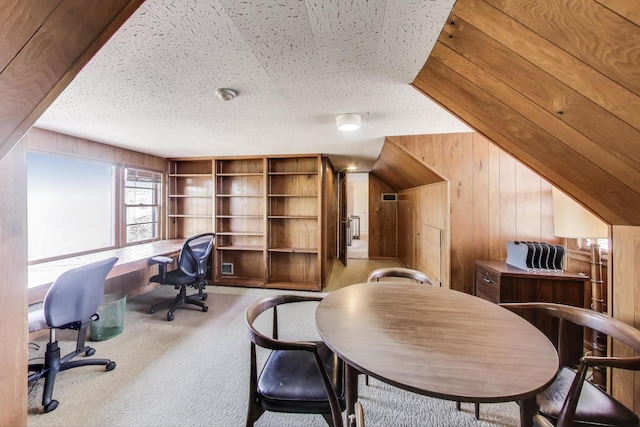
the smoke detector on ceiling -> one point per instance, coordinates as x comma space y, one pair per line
226, 94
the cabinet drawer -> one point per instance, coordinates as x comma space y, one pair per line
488, 285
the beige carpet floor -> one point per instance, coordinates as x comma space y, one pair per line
194, 372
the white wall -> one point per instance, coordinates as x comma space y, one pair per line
358, 198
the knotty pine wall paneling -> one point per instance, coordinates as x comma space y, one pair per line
13, 291
383, 218
493, 198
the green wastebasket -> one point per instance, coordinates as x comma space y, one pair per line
111, 322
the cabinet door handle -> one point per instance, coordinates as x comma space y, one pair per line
486, 279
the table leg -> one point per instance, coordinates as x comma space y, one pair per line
528, 409
351, 391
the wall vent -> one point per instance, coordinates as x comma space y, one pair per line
389, 197
227, 268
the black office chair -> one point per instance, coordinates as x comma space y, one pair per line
191, 271
572, 399
298, 376
71, 303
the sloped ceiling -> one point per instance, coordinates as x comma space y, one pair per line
556, 83
43, 45
295, 64
401, 170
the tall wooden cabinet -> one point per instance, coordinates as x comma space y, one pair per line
267, 213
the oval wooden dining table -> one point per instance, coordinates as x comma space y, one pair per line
437, 342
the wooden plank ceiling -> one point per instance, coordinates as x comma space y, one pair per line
399, 169
555, 83
44, 45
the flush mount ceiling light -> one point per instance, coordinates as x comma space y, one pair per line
348, 122
226, 94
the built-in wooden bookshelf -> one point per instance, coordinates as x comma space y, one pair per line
265, 211
294, 205
190, 188
240, 224
190, 200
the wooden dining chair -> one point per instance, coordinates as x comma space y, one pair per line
298, 376
358, 415
408, 273
571, 399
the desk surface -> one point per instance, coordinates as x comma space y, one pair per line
130, 258
437, 342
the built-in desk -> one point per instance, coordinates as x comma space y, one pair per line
130, 259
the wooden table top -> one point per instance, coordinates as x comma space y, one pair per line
130, 258
437, 342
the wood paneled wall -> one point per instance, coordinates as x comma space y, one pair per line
408, 224
44, 45
554, 83
329, 218
53, 142
383, 218
624, 273
13, 290
493, 198
428, 221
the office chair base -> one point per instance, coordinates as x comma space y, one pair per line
181, 299
53, 364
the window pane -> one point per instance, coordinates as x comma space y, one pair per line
141, 214
141, 198
70, 205
141, 232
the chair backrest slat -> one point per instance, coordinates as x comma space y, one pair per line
408, 273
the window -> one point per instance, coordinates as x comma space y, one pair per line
142, 190
70, 205
585, 244
77, 206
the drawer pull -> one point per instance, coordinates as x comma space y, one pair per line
486, 279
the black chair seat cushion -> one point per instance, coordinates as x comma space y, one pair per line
174, 277
290, 381
594, 407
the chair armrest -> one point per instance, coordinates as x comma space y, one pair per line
632, 363
162, 261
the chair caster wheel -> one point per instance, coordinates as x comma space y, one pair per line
205, 308
51, 406
111, 366
204, 297
152, 310
169, 317
90, 352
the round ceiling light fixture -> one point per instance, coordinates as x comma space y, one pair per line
226, 94
348, 122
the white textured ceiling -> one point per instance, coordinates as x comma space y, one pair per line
296, 64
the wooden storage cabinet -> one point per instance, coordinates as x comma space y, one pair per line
240, 227
498, 282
